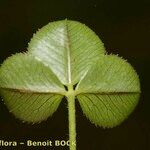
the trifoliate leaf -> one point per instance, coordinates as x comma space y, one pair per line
109, 91
64, 54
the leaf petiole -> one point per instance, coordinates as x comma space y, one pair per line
72, 117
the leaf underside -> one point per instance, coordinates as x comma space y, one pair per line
66, 53
30, 89
109, 91
68, 47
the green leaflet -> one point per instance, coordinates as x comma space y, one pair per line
30, 89
109, 91
65, 53
68, 47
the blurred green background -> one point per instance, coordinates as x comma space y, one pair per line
123, 26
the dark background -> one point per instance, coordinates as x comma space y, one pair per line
124, 27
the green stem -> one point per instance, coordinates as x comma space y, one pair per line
72, 119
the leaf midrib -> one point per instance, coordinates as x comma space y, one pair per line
68, 47
65, 92
30, 91
109, 93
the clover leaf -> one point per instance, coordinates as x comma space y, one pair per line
67, 59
